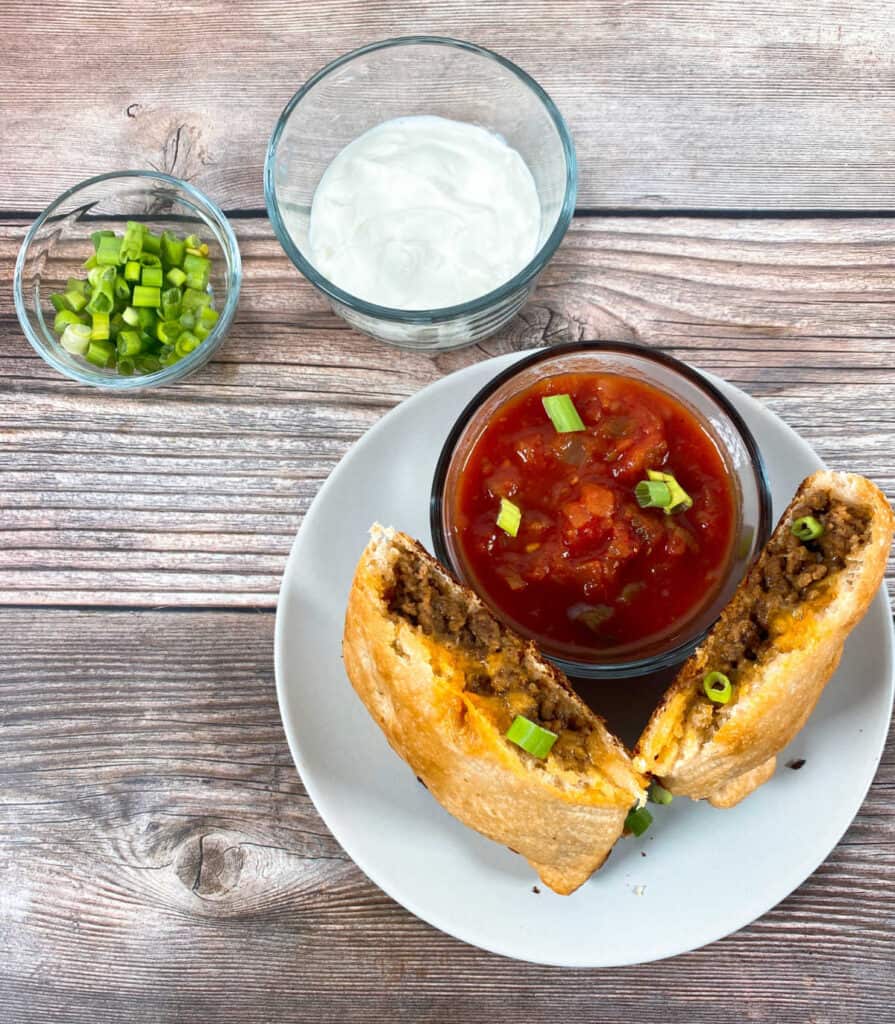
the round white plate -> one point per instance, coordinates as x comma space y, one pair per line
707, 872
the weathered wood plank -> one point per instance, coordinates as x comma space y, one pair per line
160, 861
191, 496
695, 105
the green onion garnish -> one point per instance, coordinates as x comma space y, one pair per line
145, 303
653, 494
108, 251
718, 688
144, 296
563, 414
533, 739
807, 528
76, 338
658, 794
638, 820
509, 517
661, 490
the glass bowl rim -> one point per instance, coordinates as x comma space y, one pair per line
663, 659
444, 313
168, 374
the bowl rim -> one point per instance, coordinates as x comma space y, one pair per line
635, 666
169, 374
443, 313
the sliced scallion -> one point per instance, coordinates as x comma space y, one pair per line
657, 794
100, 327
653, 494
650, 494
144, 296
532, 738
76, 339
509, 517
638, 820
563, 414
717, 687
807, 528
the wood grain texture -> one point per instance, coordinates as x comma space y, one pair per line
161, 862
780, 105
191, 495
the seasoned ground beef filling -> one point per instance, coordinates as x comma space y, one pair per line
791, 572
424, 599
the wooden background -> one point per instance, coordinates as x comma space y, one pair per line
159, 858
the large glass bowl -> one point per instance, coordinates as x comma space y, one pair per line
724, 424
59, 241
398, 78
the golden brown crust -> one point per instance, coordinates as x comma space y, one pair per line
563, 824
774, 701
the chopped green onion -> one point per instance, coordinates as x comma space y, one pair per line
718, 688
129, 343
100, 327
151, 243
532, 738
132, 244
807, 528
168, 331
144, 296
171, 303
76, 339
123, 316
638, 820
679, 500
208, 316
76, 300
102, 300
173, 250
122, 292
186, 343
658, 794
65, 317
197, 270
563, 414
653, 494
100, 353
147, 363
509, 517
108, 251
152, 277
195, 299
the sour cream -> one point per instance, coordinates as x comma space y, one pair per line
424, 212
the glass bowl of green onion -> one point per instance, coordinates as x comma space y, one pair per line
128, 280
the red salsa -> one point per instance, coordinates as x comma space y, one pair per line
589, 570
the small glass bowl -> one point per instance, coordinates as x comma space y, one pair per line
59, 241
399, 78
717, 415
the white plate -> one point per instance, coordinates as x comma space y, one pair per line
707, 872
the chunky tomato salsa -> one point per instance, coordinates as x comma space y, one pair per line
588, 568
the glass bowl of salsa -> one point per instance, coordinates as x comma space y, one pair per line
604, 500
